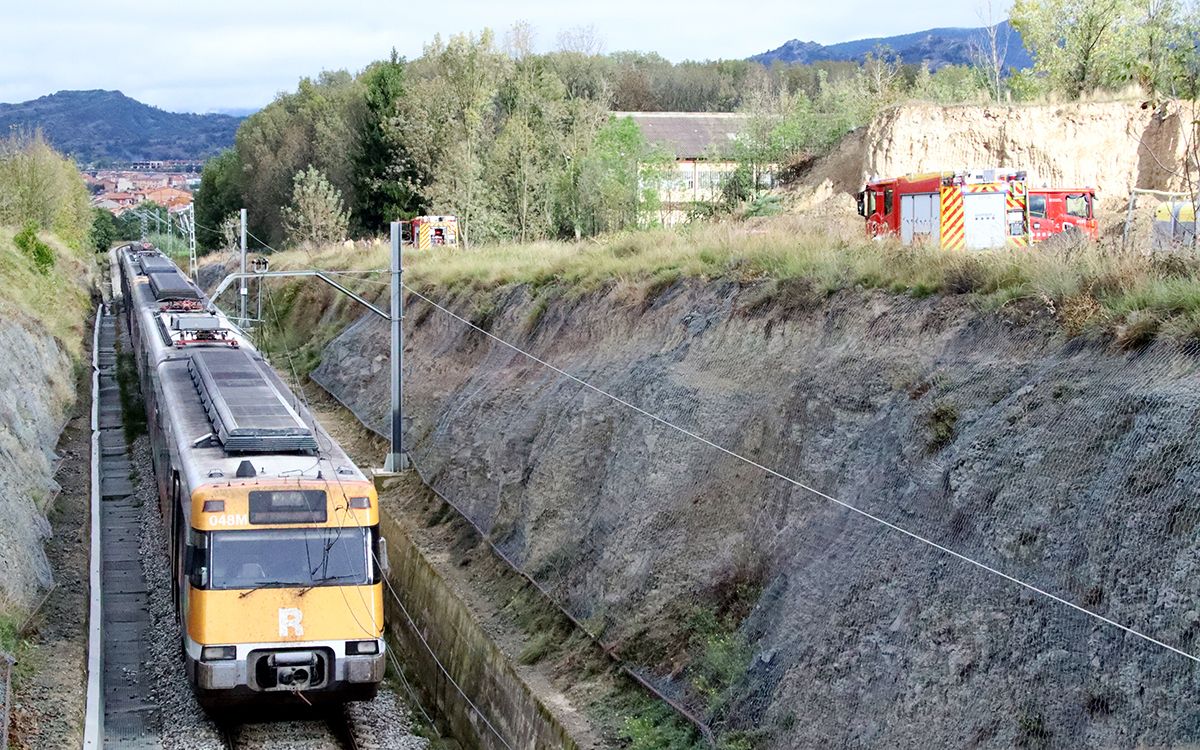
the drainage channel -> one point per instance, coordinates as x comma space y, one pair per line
130, 718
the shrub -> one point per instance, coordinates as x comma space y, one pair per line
941, 423
39, 252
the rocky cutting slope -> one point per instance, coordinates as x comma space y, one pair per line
42, 319
1063, 463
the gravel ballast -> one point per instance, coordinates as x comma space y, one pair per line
383, 724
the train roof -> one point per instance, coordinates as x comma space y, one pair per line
226, 404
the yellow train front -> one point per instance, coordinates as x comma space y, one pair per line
274, 532
283, 592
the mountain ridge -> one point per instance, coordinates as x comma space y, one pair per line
99, 125
938, 47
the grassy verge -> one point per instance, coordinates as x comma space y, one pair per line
51, 289
1089, 287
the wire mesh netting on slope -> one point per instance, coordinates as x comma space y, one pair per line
876, 522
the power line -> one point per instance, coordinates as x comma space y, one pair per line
412, 624
848, 506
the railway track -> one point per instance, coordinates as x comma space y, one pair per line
334, 730
138, 695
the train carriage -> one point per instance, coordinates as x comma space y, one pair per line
274, 532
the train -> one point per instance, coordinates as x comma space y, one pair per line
277, 562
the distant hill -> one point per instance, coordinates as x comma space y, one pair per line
938, 47
97, 126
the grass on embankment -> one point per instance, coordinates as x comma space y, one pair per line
1089, 287
55, 294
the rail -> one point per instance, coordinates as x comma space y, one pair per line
92, 725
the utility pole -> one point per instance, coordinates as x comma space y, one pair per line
190, 227
397, 459
242, 291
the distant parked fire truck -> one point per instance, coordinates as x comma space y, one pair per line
973, 210
425, 232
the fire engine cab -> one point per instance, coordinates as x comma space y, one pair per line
974, 210
1062, 210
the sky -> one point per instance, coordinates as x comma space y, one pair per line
231, 54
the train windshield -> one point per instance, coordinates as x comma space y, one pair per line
282, 558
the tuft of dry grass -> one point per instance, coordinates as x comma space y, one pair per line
1090, 287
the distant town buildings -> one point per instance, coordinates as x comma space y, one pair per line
120, 190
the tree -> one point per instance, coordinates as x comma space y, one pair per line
989, 52
384, 178
104, 230
220, 193
1078, 45
317, 126
619, 178
316, 214
447, 122
39, 184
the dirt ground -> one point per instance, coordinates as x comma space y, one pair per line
50, 688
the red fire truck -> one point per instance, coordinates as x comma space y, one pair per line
972, 210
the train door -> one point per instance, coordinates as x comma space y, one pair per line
919, 214
984, 220
1041, 219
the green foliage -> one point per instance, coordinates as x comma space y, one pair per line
386, 189
764, 205
787, 127
316, 126
656, 727
722, 656
1081, 46
40, 185
37, 250
104, 230
950, 84
316, 213
219, 195
940, 423
133, 407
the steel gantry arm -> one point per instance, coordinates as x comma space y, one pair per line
228, 280
397, 459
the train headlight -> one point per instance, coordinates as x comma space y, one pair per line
359, 648
218, 653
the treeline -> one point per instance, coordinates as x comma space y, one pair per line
523, 146
518, 145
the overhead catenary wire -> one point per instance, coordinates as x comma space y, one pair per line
810, 489
411, 623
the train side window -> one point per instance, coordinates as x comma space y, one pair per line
887, 202
196, 559
1037, 206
